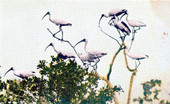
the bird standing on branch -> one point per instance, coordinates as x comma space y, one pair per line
111, 14
57, 22
93, 54
62, 54
136, 56
122, 26
133, 24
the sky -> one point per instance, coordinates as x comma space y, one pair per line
23, 37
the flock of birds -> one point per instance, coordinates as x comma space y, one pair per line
92, 55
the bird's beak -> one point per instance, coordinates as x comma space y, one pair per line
48, 46
100, 19
45, 15
79, 42
8, 71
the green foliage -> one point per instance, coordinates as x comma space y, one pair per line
60, 82
150, 92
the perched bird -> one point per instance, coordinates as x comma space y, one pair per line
21, 73
62, 54
111, 14
135, 56
122, 26
88, 60
58, 22
133, 24
92, 53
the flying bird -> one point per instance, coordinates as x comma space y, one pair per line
122, 26
136, 56
21, 73
62, 54
57, 22
111, 14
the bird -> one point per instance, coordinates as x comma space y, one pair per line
120, 25
88, 60
136, 56
133, 24
57, 22
24, 74
91, 53
111, 14
62, 54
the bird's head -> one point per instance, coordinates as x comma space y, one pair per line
9, 70
83, 40
125, 12
51, 44
103, 15
48, 13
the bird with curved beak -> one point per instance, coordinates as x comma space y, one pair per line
133, 24
21, 73
92, 53
123, 27
62, 54
136, 56
57, 22
111, 14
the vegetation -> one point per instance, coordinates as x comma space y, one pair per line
60, 82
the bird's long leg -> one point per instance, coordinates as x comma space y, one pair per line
133, 36
138, 64
96, 63
135, 65
61, 33
121, 37
57, 31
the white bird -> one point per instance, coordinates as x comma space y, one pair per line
111, 14
120, 25
136, 56
58, 22
21, 73
88, 60
133, 24
92, 53
62, 54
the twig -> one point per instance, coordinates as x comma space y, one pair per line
109, 85
127, 66
68, 43
130, 86
109, 36
111, 64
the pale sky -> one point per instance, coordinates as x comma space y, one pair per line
23, 37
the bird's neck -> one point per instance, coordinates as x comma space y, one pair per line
55, 49
116, 20
106, 15
50, 18
127, 17
85, 47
